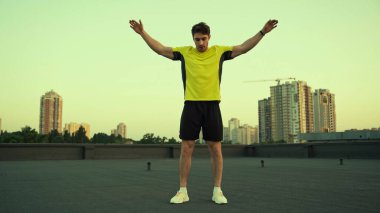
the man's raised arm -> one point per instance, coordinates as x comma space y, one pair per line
152, 43
251, 43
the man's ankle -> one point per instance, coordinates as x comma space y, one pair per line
217, 189
183, 190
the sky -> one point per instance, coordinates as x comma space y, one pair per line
85, 51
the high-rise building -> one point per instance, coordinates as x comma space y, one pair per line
73, 127
282, 98
236, 134
121, 130
50, 112
306, 113
226, 134
246, 135
265, 133
254, 135
324, 111
233, 126
291, 111
239, 134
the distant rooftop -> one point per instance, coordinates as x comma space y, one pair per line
283, 185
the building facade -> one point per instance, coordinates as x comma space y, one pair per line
236, 134
226, 134
255, 135
121, 130
233, 126
324, 111
306, 112
50, 113
73, 127
291, 111
282, 104
247, 135
265, 133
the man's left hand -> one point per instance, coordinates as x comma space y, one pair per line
270, 25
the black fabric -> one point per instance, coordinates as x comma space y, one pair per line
179, 56
226, 56
201, 114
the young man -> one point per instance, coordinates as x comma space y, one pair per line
201, 75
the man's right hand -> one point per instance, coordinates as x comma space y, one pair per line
152, 43
136, 26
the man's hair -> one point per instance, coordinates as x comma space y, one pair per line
201, 27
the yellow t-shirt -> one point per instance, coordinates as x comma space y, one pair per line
202, 71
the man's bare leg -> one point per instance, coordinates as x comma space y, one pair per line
187, 148
215, 149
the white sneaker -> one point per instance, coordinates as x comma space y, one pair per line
219, 198
180, 197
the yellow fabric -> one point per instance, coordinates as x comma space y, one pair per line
202, 71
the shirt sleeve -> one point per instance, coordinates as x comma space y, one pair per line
226, 52
177, 53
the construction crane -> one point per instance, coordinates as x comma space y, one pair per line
277, 79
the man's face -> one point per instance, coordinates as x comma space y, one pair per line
201, 41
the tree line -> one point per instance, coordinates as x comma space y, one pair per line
30, 135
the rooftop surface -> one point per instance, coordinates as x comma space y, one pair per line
283, 185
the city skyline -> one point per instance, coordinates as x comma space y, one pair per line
86, 52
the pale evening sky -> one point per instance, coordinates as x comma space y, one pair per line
86, 52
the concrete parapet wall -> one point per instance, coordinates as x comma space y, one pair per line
279, 150
363, 150
359, 150
41, 152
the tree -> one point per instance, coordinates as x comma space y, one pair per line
148, 138
67, 138
112, 138
42, 138
80, 136
172, 141
119, 139
10, 138
100, 138
163, 140
29, 135
53, 135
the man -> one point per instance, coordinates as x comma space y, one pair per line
201, 75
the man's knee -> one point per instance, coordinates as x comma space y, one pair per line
215, 148
187, 147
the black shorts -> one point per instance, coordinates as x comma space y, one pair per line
201, 114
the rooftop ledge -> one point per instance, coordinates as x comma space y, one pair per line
350, 149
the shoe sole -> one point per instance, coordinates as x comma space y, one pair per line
181, 202
218, 203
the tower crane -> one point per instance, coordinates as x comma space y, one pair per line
277, 79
